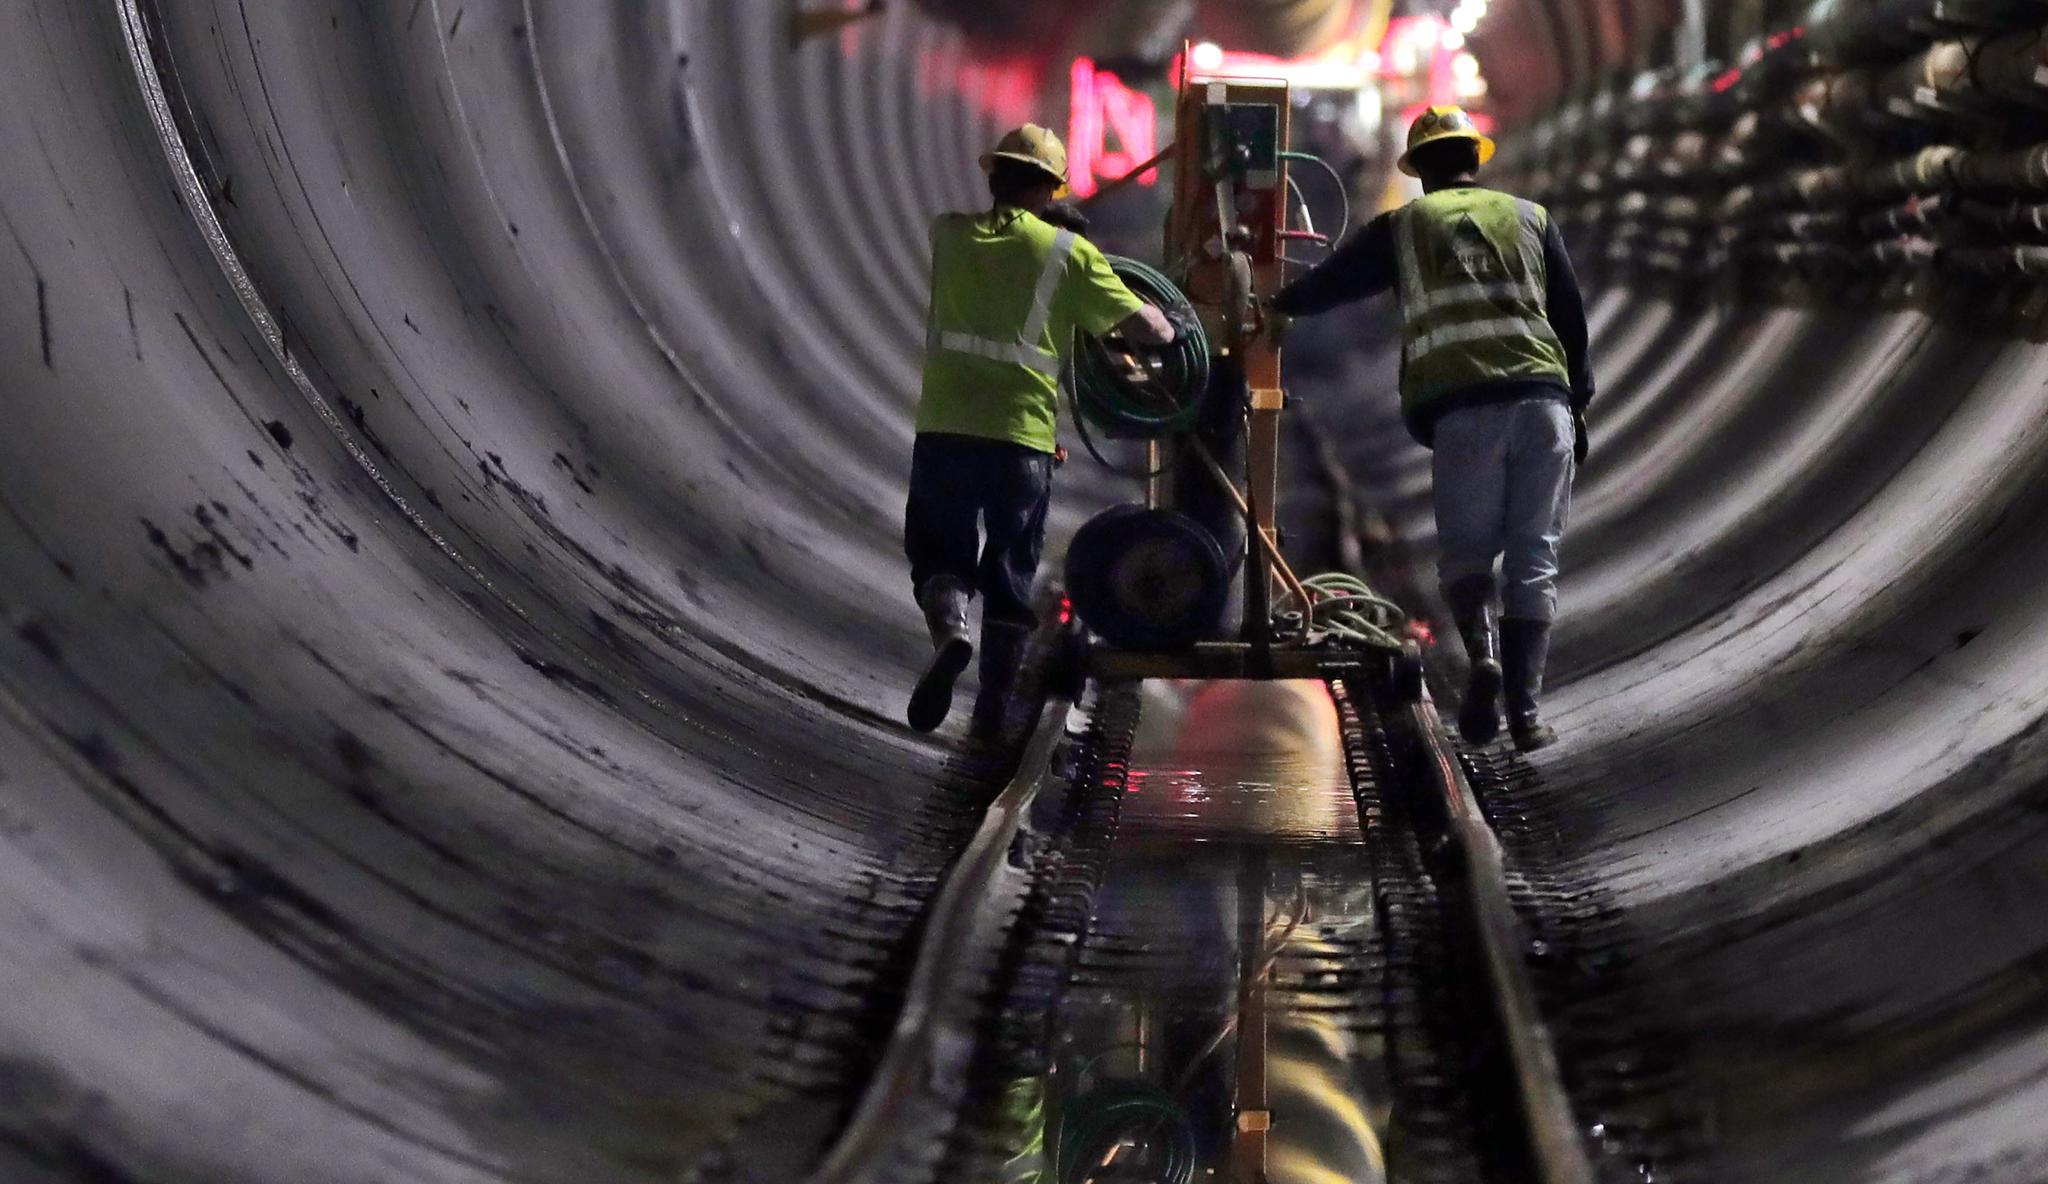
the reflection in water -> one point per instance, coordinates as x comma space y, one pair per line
1238, 864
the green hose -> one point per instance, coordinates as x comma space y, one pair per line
1096, 1121
1169, 404
1343, 191
1346, 608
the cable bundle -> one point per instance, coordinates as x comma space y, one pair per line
1345, 607
1172, 401
1115, 1112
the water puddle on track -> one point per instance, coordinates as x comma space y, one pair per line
1233, 941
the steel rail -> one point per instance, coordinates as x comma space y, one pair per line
1551, 1131
917, 1088
1556, 1151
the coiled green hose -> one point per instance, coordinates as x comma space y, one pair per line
1170, 404
1096, 1121
1347, 608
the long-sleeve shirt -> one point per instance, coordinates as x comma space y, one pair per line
1364, 265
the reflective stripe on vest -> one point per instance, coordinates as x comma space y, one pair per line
1503, 327
1029, 357
1474, 293
1025, 351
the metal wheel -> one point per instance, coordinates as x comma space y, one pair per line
1147, 580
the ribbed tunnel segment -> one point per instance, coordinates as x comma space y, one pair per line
455, 634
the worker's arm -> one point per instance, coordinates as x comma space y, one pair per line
1101, 305
1361, 266
1147, 326
1567, 310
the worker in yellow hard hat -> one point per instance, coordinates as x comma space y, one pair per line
1009, 291
1439, 124
1495, 377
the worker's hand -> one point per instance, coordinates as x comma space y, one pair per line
1580, 443
1183, 327
1273, 322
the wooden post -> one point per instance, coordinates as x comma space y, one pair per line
1262, 488
1254, 1119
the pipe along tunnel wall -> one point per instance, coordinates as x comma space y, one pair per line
468, 752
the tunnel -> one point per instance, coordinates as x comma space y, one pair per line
453, 719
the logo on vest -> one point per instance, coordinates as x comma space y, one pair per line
1474, 253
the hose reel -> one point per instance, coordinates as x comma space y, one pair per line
1148, 580
1144, 394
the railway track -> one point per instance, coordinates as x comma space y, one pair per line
1150, 967
1328, 956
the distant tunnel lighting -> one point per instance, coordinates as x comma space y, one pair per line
1464, 20
1466, 66
1453, 40
1208, 56
1372, 110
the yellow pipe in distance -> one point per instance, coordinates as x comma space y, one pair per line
1292, 28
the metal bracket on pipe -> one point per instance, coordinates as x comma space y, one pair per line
914, 1096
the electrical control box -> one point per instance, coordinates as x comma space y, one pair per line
1244, 143
1224, 234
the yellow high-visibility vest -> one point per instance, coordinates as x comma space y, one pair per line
1008, 292
1474, 302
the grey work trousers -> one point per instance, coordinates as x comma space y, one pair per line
1503, 489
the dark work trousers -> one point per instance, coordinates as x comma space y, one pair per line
1503, 492
962, 486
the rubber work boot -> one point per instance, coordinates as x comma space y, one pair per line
1002, 655
944, 600
1525, 648
1472, 607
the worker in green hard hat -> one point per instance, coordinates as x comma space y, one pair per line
1495, 377
1009, 291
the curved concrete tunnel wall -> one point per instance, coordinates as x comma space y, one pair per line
1799, 681
473, 756
489, 770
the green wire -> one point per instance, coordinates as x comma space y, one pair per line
1345, 607
1343, 194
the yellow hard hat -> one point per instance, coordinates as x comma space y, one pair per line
1443, 123
1033, 145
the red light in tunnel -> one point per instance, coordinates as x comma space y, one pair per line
1006, 92
1102, 104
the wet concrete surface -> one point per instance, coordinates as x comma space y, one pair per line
448, 724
